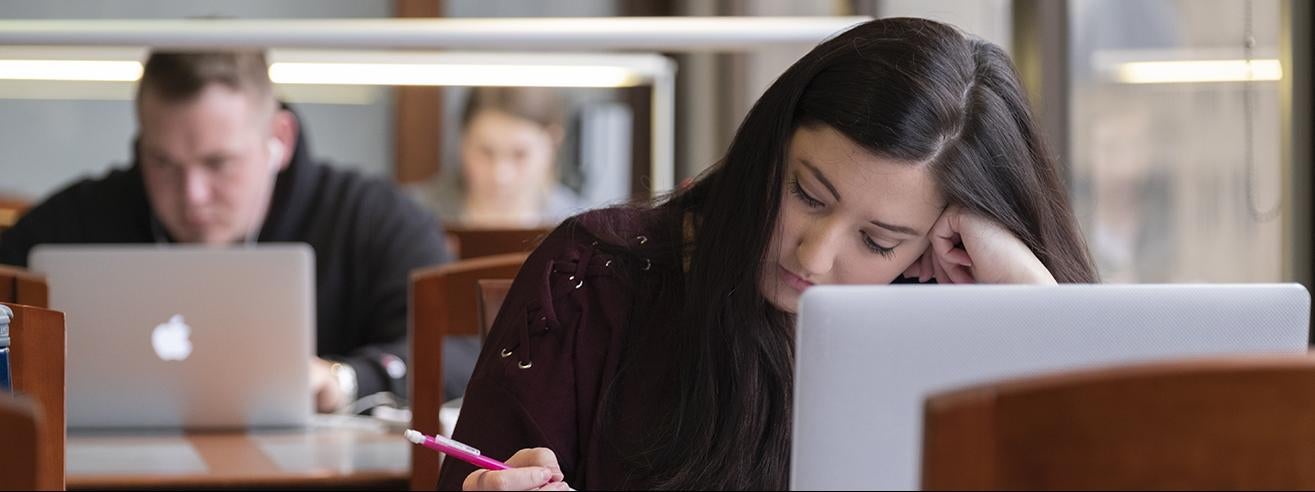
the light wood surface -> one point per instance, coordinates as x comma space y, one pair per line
1227, 423
335, 457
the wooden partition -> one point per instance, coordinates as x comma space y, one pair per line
1226, 423
444, 301
491, 294
472, 242
37, 350
20, 286
21, 449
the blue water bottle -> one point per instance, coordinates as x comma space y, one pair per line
5, 315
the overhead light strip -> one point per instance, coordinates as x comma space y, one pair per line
1199, 71
350, 73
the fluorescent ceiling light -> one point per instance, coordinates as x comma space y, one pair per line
452, 74
80, 70
81, 90
552, 33
1197, 71
351, 73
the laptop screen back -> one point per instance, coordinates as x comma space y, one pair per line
867, 357
184, 336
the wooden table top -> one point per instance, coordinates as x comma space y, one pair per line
358, 456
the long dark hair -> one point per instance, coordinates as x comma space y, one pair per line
912, 90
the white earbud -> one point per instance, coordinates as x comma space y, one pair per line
275, 155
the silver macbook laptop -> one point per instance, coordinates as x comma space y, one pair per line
184, 336
867, 357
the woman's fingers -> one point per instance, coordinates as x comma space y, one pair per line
543, 457
531, 469
946, 237
958, 256
555, 486
528, 478
960, 274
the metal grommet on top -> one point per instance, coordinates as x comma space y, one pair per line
647, 264
607, 264
525, 365
504, 353
581, 284
642, 239
594, 244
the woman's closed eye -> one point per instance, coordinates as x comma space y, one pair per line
803, 196
798, 191
877, 248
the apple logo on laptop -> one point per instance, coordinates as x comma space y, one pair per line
170, 339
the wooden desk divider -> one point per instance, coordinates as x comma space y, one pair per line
21, 452
1245, 423
444, 301
20, 286
37, 349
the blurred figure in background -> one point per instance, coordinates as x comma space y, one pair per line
219, 161
508, 177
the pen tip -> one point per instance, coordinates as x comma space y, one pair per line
413, 436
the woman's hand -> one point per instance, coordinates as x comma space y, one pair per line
968, 248
531, 469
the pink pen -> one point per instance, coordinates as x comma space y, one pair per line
455, 449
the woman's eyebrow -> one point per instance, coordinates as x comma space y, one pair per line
817, 173
896, 228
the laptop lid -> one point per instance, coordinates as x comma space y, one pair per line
868, 356
184, 335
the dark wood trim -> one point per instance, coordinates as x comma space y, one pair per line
1040, 53
417, 113
640, 100
1297, 46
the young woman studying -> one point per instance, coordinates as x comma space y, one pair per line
651, 346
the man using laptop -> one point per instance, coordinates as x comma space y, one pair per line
219, 161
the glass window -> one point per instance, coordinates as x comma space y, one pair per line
1174, 138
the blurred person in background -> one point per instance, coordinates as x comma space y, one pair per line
508, 177
219, 161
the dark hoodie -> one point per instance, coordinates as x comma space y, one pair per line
366, 235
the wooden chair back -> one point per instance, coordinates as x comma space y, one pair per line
492, 291
20, 286
37, 348
470, 242
20, 427
1220, 423
444, 301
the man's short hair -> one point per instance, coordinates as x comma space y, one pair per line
179, 76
